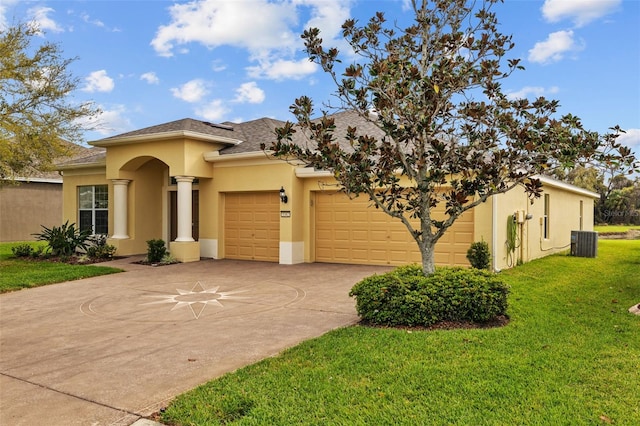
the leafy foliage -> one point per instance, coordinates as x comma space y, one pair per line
35, 115
65, 240
479, 255
619, 201
406, 297
445, 131
100, 249
156, 251
22, 250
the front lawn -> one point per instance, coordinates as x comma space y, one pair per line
16, 274
569, 356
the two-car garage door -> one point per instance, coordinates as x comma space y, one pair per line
346, 231
349, 231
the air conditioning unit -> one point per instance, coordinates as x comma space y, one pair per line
584, 243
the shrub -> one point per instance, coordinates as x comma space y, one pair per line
405, 296
100, 249
479, 255
156, 251
22, 250
65, 240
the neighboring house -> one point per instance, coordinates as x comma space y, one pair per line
211, 192
27, 203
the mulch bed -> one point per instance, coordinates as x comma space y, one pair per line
73, 260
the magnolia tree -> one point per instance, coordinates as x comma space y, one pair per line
36, 113
448, 134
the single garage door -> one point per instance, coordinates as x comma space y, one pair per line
252, 226
349, 231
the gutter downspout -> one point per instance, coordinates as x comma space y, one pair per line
494, 232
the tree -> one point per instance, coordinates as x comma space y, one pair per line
449, 133
607, 179
37, 120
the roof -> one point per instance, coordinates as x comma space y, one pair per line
253, 133
184, 127
90, 156
51, 175
247, 137
243, 137
263, 131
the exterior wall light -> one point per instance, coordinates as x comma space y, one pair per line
283, 195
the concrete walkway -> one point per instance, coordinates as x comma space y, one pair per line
110, 350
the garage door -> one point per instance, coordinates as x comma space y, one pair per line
252, 226
349, 231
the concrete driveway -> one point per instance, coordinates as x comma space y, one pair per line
109, 350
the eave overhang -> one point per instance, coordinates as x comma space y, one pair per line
154, 137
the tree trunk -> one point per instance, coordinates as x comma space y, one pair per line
428, 259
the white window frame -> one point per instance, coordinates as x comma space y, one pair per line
93, 205
545, 218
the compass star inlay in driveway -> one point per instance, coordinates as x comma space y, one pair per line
201, 298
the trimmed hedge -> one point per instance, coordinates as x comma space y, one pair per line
405, 296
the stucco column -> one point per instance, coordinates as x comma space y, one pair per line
185, 218
120, 208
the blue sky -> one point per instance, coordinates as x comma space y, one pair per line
147, 62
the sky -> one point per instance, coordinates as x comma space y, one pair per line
148, 62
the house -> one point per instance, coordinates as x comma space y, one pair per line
212, 192
27, 203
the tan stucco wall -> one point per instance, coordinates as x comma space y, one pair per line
182, 157
146, 198
564, 216
26, 206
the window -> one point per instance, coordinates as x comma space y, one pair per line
581, 215
545, 218
93, 210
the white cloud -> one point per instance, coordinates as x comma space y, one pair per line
281, 69
249, 93
630, 138
581, 12
86, 18
268, 30
97, 22
328, 16
192, 91
535, 91
98, 81
4, 5
150, 77
39, 15
214, 111
554, 47
111, 121
217, 66
254, 25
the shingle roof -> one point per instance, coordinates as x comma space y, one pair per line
263, 131
251, 133
87, 156
185, 124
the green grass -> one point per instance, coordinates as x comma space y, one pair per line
615, 228
16, 274
569, 356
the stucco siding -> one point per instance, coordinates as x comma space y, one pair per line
564, 216
27, 206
